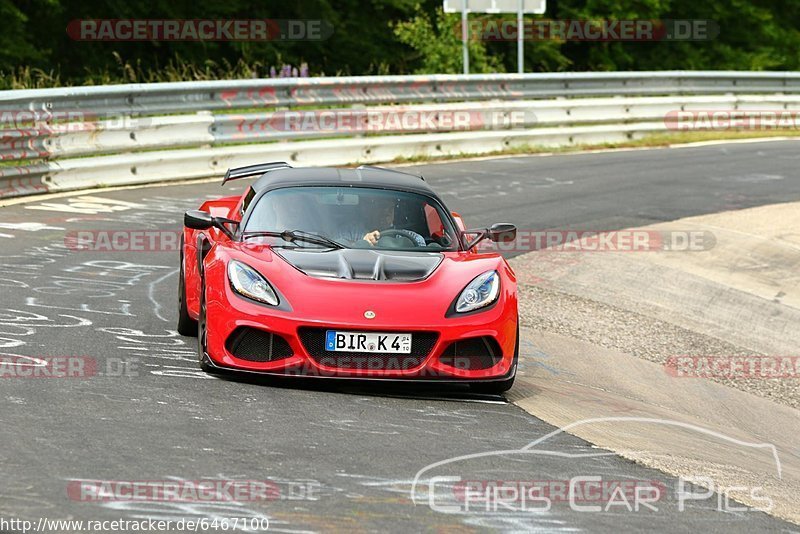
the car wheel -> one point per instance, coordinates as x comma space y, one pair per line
499, 386
202, 333
186, 325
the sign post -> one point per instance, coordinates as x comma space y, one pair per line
464, 35
520, 48
520, 7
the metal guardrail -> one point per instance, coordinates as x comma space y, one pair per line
184, 131
43, 128
182, 97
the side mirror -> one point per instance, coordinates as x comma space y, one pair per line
499, 233
198, 220
502, 232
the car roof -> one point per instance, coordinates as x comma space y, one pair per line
331, 176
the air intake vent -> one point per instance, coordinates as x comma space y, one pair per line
257, 345
472, 353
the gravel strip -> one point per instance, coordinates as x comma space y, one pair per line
636, 334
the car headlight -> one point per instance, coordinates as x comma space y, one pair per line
250, 283
481, 292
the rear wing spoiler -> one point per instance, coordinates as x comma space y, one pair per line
254, 170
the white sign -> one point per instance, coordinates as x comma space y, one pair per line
495, 6
520, 7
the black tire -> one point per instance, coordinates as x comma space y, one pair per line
186, 325
499, 386
202, 333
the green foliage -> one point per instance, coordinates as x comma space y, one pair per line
756, 35
439, 47
378, 37
15, 43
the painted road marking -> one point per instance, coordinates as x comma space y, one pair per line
88, 205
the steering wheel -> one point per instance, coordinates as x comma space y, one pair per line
415, 239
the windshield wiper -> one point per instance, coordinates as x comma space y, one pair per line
297, 235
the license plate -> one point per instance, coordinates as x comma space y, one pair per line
382, 342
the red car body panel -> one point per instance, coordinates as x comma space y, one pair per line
339, 304
227, 207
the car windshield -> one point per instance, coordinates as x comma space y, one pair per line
355, 217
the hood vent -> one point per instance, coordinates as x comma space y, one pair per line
363, 264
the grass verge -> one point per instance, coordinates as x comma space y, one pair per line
650, 141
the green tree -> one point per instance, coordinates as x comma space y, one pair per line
379, 37
438, 45
753, 35
16, 45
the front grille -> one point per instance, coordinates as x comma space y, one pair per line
472, 353
257, 345
422, 344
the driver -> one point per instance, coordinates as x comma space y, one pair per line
376, 213
379, 213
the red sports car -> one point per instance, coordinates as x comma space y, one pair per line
346, 273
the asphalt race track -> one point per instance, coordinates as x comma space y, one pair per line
340, 457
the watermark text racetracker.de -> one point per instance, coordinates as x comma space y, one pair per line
738, 119
31, 121
733, 367
599, 30
71, 367
379, 120
199, 29
211, 490
629, 240
123, 240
